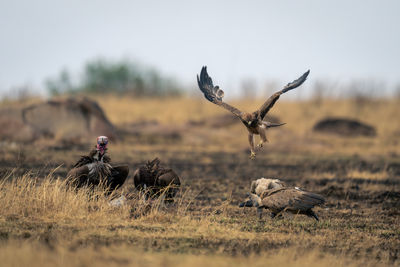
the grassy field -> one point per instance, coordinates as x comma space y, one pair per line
296, 135
44, 223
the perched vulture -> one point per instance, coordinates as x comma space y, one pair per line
293, 200
95, 169
254, 121
154, 179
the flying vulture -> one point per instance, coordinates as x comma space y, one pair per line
254, 122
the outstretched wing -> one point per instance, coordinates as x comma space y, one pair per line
213, 93
271, 101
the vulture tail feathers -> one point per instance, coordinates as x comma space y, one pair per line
273, 124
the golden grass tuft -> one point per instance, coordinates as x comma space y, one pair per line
353, 174
381, 175
325, 175
52, 199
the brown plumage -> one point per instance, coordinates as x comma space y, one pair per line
293, 200
253, 121
95, 169
154, 179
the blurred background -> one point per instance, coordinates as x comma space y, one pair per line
71, 70
156, 47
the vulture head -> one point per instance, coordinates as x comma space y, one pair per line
252, 201
101, 146
152, 166
251, 119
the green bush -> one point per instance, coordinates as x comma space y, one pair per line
122, 77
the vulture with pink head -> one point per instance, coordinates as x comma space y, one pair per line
95, 169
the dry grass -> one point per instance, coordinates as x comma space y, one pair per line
300, 116
45, 222
368, 175
52, 199
326, 175
296, 135
353, 174
26, 254
51, 223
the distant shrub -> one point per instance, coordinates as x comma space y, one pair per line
122, 77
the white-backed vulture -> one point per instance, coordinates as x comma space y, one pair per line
292, 200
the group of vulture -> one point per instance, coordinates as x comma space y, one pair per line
96, 169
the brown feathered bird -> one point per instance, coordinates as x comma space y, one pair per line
293, 200
154, 179
95, 169
261, 185
254, 121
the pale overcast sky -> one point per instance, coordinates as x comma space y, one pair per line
337, 40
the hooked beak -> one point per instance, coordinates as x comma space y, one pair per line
101, 149
249, 122
247, 203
